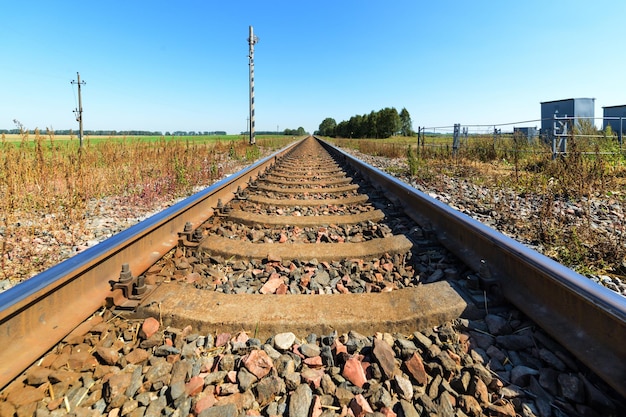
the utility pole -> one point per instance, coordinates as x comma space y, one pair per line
252, 40
79, 110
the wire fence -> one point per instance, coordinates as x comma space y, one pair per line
555, 136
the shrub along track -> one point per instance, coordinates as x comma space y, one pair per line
309, 247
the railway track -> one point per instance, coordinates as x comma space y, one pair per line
311, 242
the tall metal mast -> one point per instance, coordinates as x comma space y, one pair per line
252, 40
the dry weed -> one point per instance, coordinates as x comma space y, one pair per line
46, 186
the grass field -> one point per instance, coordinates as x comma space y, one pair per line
48, 187
91, 139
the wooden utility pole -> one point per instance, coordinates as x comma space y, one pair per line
79, 110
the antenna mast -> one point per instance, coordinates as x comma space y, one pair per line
252, 40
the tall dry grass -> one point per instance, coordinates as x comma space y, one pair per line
516, 170
47, 185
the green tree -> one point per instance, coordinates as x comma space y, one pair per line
406, 125
327, 127
342, 130
388, 122
355, 127
371, 125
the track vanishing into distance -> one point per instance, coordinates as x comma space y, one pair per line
311, 284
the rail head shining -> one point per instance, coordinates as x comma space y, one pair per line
586, 318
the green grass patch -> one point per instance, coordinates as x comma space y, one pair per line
92, 139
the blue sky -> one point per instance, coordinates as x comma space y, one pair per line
182, 65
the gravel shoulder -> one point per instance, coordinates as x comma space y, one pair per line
516, 215
42, 245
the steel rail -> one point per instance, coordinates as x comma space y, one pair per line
586, 318
40, 312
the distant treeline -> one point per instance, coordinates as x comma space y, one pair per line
120, 132
383, 123
287, 132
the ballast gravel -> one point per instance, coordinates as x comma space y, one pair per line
506, 210
495, 365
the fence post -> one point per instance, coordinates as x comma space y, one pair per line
418, 140
455, 138
496, 133
621, 129
559, 138
419, 133
555, 128
564, 134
